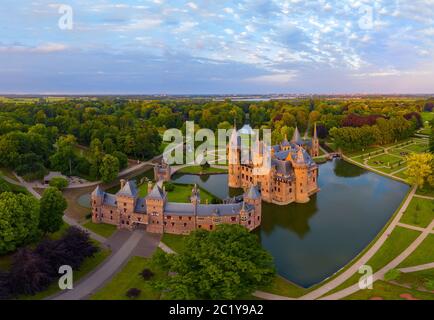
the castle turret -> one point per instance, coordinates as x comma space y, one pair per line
97, 199
296, 138
126, 202
253, 205
301, 172
155, 203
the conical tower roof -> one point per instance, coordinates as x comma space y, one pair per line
296, 138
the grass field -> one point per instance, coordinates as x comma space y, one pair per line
416, 280
423, 254
174, 242
383, 160
419, 213
128, 278
103, 229
283, 287
388, 291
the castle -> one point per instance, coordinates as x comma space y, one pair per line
156, 214
293, 176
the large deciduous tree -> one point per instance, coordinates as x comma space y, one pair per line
420, 169
109, 168
19, 218
52, 207
223, 264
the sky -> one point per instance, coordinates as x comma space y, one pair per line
216, 46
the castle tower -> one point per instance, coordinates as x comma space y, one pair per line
234, 166
301, 170
97, 198
126, 202
155, 202
253, 199
314, 152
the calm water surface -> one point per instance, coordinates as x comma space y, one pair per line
312, 241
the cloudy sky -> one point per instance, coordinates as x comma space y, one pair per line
217, 46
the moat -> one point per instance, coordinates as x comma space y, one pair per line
310, 242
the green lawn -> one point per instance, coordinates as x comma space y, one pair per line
88, 265
283, 287
423, 254
174, 242
427, 116
384, 160
418, 148
129, 277
416, 279
419, 213
103, 229
426, 191
200, 170
388, 291
397, 242
181, 193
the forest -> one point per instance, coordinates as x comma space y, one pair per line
94, 137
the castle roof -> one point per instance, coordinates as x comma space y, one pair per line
187, 209
109, 200
156, 193
129, 189
140, 205
253, 193
98, 192
296, 138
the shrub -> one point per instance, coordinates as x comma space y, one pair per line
429, 284
147, 274
59, 182
133, 293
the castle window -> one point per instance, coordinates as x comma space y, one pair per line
250, 222
210, 227
173, 224
158, 222
169, 217
123, 222
129, 217
125, 210
128, 222
180, 218
165, 223
290, 190
125, 204
111, 211
185, 224
140, 219
94, 201
116, 202
111, 217
233, 219
189, 218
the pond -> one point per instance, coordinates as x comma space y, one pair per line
310, 242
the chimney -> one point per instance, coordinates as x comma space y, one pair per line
123, 183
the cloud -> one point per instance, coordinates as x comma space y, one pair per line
273, 79
42, 48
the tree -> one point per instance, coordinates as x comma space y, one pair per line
223, 264
19, 218
109, 169
52, 207
59, 183
28, 274
123, 159
420, 168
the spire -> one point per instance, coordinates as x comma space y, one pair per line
296, 137
315, 136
